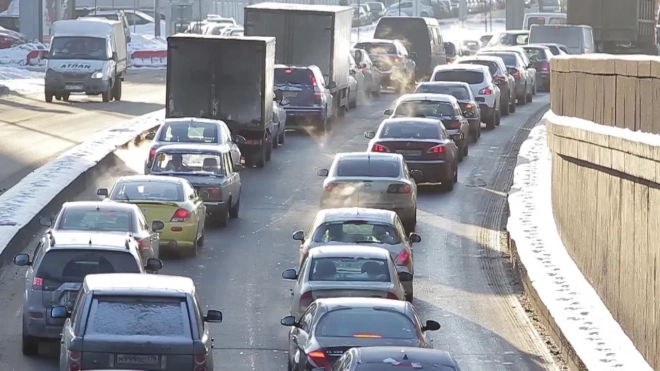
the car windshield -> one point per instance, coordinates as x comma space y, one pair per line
366, 322
553, 49
512, 39
470, 77
509, 59
293, 76
459, 92
349, 268
148, 191
77, 47
206, 163
72, 265
492, 66
96, 220
425, 109
357, 231
535, 20
377, 48
138, 316
190, 132
537, 53
410, 130
368, 168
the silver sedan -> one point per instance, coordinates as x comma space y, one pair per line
372, 180
345, 271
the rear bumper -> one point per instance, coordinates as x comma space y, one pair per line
432, 171
475, 123
215, 206
40, 329
299, 116
486, 112
543, 79
183, 238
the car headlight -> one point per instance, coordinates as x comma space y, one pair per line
97, 75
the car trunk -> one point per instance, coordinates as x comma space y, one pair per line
163, 211
348, 289
207, 186
66, 294
296, 94
412, 149
365, 192
137, 353
336, 346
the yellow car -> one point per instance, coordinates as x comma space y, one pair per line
172, 200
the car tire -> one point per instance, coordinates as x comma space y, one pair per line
276, 143
490, 122
66, 96
192, 251
116, 90
223, 217
466, 150
48, 96
522, 100
530, 98
202, 238
455, 177
106, 96
30, 345
498, 118
409, 296
352, 104
505, 104
410, 225
261, 157
460, 152
234, 210
58, 97
474, 135
281, 137
534, 89
512, 105
269, 151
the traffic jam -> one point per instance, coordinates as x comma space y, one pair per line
94, 275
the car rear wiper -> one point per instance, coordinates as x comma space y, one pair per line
365, 241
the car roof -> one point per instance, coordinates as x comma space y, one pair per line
139, 282
369, 155
338, 251
195, 147
335, 303
427, 97
149, 178
394, 120
356, 213
98, 206
445, 83
469, 67
413, 355
90, 239
190, 120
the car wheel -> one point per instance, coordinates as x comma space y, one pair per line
116, 91
448, 184
58, 97
107, 95
30, 344
498, 118
269, 150
49, 96
66, 96
466, 151
455, 178
261, 157
490, 122
534, 89
201, 239
512, 105
506, 105
223, 217
281, 137
530, 97
233, 212
409, 296
353, 103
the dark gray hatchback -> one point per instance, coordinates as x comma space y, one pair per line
136, 322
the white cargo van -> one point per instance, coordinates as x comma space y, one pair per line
87, 55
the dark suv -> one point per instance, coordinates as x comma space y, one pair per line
304, 96
391, 57
55, 275
502, 78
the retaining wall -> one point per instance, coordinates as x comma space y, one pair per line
606, 183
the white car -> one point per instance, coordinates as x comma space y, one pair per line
355, 82
279, 124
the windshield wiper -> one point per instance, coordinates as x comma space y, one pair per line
365, 241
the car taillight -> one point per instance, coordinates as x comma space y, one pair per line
319, 359
392, 296
181, 215
200, 362
74, 361
305, 300
398, 188
141, 244
214, 193
486, 91
152, 154
318, 99
516, 75
395, 59
379, 148
403, 258
37, 282
440, 149
331, 187
545, 67
313, 81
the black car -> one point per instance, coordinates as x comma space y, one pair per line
395, 358
329, 327
463, 94
540, 56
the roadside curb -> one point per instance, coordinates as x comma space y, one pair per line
44, 190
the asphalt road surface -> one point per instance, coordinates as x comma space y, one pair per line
34, 132
462, 280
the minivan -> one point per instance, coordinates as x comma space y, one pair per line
543, 19
578, 39
421, 36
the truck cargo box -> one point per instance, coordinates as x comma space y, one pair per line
225, 78
615, 20
306, 35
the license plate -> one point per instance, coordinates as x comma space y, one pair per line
129, 359
288, 94
409, 153
74, 87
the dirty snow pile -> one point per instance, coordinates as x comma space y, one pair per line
577, 309
146, 42
20, 80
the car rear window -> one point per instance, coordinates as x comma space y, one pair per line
377, 48
569, 36
189, 132
410, 130
492, 66
208, 163
349, 269
366, 322
553, 49
357, 231
425, 109
96, 220
138, 316
458, 92
470, 77
556, 20
368, 168
535, 20
537, 53
509, 59
148, 191
72, 265
293, 76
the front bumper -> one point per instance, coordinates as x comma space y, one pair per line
432, 171
89, 86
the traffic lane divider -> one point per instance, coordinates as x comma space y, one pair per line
43, 191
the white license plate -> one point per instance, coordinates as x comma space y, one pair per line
74, 87
130, 359
288, 94
409, 153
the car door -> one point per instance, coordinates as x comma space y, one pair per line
72, 326
234, 150
299, 336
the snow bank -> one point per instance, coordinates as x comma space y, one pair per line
575, 306
24, 201
20, 80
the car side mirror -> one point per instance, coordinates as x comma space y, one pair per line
290, 274
388, 112
238, 168
298, 236
405, 276
150, 136
416, 175
59, 312
22, 260
332, 85
323, 172
154, 264
213, 316
157, 225
289, 321
239, 139
103, 192
431, 326
415, 238
46, 221
370, 134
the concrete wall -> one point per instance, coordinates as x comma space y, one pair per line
606, 184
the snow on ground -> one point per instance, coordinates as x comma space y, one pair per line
24, 201
20, 80
577, 309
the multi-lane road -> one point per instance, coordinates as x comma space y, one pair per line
463, 280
